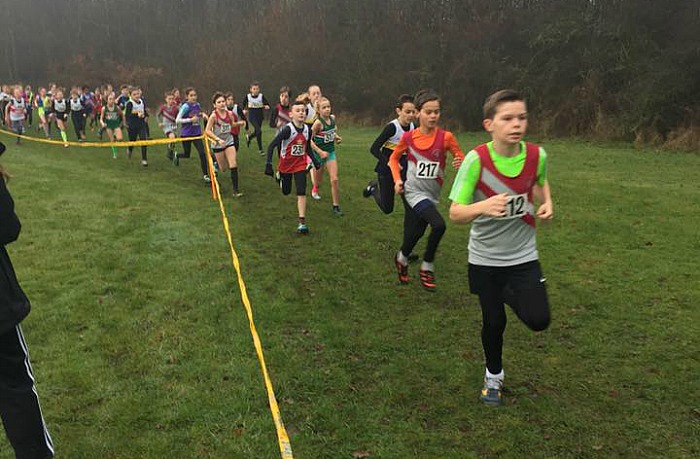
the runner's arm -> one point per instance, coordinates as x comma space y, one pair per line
376, 148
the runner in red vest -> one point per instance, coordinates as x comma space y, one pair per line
426, 149
495, 191
293, 142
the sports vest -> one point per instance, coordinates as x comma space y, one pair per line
519, 189
17, 109
293, 154
59, 105
283, 116
75, 105
392, 142
255, 101
325, 139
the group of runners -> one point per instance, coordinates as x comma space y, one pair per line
496, 188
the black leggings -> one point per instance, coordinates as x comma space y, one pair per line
78, 123
140, 132
256, 121
199, 145
522, 287
299, 181
416, 219
384, 193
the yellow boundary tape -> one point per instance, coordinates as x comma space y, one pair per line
126, 143
282, 436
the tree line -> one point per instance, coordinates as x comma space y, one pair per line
614, 69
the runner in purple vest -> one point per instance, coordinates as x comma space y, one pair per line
188, 118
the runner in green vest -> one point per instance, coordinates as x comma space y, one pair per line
324, 137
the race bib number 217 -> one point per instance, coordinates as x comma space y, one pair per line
427, 169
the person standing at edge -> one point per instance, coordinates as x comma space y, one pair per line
19, 404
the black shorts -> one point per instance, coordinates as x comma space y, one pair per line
299, 180
221, 149
63, 116
519, 278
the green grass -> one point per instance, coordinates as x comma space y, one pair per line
141, 346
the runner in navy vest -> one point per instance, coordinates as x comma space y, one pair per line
254, 107
382, 189
135, 118
77, 113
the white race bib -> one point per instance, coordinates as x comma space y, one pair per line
516, 206
297, 150
427, 169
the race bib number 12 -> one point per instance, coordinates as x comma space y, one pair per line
516, 206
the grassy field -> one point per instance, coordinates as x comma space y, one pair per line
141, 346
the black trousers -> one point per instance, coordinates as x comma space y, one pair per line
78, 123
522, 287
256, 120
19, 403
138, 131
415, 221
199, 145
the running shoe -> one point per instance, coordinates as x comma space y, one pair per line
302, 229
427, 278
278, 179
262, 153
369, 189
206, 178
176, 159
413, 257
492, 392
247, 140
314, 193
402, 270
237, 194
144, 163
169, 155
337, 212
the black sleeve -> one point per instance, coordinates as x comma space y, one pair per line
284, 134
310, 154
9, 222
127, 109
245, 102
273, 117
387, 133
265, 102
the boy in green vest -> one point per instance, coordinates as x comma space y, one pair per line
495, 190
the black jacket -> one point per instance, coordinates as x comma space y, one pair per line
14, 305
